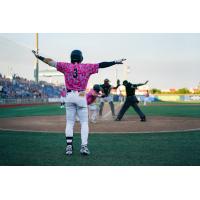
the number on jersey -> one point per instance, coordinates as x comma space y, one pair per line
75, 74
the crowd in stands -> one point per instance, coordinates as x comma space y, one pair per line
19, 87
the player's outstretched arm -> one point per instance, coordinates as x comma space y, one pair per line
109, 64
118, 84
48, 61
140, 84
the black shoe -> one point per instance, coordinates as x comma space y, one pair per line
117, 119
143, 119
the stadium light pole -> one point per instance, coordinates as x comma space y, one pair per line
36, 73
127, 71
116, 74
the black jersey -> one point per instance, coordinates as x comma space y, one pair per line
106, 89
130, 89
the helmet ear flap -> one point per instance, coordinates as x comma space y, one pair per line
81, 58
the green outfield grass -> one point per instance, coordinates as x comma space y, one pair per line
173, 102
38, 110
178, 110
48, 149
156, 109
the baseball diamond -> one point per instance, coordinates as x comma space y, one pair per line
169, 136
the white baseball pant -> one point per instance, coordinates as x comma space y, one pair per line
77, 104
93, 111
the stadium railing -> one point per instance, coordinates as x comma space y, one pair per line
24, 101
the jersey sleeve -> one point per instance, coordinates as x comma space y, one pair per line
94, 93
61, 66
134, 85
92, 68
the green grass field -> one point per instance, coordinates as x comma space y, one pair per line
156, 109
37, 110
176, 110
171, 149
143, 149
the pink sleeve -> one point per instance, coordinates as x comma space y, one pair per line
93, 68
61, 66
93, 93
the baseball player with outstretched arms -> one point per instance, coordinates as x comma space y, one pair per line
131, 100
76, 75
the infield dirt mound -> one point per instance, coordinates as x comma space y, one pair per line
129, 124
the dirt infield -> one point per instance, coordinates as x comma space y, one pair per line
104, 125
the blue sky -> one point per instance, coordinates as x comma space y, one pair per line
166, 60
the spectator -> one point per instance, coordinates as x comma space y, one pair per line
20, 87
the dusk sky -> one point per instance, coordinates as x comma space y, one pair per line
166, 60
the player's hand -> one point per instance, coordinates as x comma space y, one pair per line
120, 61
35, 53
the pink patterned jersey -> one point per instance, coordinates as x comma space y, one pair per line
91, 96
77, 75
63, 93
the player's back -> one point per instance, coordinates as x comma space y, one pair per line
77, 75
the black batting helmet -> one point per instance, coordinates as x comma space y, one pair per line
76, 56
96, 88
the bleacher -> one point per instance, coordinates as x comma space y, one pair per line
21, 88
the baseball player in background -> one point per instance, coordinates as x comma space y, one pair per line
62, 98
146, 98
120, 94
76, 75
107, 97
91, 98
131, 100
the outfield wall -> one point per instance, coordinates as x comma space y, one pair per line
170, 97
152, 98
23, 101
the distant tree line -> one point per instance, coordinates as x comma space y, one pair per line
179, 91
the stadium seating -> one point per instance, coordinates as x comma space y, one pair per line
19, 87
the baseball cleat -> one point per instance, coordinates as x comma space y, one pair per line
143, 119
84, 150
69, 150
117, 119
93, 121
